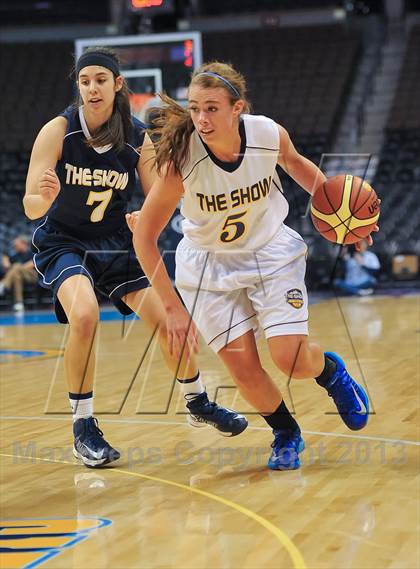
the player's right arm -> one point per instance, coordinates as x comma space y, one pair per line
42, 183
154, 215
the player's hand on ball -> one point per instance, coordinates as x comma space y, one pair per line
181, 332
49, 185
368, 240
131, 219
345, 209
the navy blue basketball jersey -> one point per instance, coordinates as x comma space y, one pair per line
96, 183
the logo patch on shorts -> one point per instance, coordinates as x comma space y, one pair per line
294, 297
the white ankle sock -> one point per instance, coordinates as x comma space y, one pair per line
191, 387
81, 405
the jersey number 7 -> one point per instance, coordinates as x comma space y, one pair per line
103, 198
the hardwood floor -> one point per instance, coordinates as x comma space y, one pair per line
185, 498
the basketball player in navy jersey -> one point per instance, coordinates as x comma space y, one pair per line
238, 267
81, 175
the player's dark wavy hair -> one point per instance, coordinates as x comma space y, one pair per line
172, 128
119, 127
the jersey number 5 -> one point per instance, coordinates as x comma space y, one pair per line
233, 229
103, 198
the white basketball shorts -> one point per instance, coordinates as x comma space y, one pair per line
230, 293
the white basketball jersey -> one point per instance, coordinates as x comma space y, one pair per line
237, 205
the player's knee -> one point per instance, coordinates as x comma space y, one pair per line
296, 366
83, 322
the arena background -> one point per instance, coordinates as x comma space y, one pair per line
344, 79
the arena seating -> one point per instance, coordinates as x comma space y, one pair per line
13, 168
215, 7
302, 84
39, 90
398, 175
405, 113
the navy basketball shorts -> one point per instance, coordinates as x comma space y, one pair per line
109, 263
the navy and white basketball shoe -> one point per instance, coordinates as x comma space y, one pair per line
203, 412
90, 445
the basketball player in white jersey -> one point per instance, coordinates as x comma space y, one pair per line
238, 267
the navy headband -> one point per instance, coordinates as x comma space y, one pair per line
97, 58
225, 81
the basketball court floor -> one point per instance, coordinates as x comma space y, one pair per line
187, 498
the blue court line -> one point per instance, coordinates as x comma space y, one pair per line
21, 353
106, 315
33, 318
111, 314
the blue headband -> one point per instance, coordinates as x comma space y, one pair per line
97, 58
225, 81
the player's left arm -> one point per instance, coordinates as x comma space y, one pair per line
303, 171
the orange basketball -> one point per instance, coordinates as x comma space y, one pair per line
345, 209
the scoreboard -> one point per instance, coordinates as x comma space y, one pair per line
152, 7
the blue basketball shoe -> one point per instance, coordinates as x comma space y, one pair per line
286, 448
350, 398
203, 412
90, 445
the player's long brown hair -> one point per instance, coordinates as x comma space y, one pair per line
173, 126
118, 129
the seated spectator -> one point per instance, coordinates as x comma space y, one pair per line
18, 268
360, 272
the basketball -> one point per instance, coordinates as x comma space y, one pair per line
345, 209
